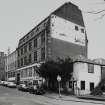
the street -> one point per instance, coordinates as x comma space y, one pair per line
9, 96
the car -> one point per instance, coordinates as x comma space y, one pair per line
11, 84
36, 89
40, 91
22, 87
32, 88
5, 83
1, 82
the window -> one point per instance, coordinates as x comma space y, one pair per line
30, 46
30, 59
43, 37
35, 56
70, 84
82, 30
13, 74
21, 61
18, 63
35, 43
42, 53
91, 86
18, 53
21, 73
25, 48
25, 60
82, 85
76, 28
30, 72
90, 68
21, 51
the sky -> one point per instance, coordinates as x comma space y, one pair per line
18, 17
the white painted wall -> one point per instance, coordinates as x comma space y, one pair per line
65, 30
81, 74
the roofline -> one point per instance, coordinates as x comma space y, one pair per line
35, 27
47, 18
91, 62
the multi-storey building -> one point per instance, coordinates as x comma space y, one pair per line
62, 34
11, 65
2, 65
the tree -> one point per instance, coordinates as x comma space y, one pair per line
99, 11
50, 69
66, 70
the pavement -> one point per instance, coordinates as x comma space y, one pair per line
90, 97
84, 99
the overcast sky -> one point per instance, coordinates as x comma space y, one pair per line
17, 17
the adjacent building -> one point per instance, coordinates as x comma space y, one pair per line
87, 74
2, 65
11, 66
62, 34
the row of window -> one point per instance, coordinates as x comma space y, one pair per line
12, 66
82, 85
28, 59
28, 72
28, 47
82, 30
11, 74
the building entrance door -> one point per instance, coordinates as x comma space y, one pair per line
18, 78
91, 86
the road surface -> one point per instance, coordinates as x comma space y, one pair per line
9, 96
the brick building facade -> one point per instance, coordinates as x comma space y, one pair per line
62, 34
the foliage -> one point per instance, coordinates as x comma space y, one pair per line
98, 89
66, 68
50, 69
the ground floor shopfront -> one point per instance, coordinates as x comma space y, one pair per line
28, 73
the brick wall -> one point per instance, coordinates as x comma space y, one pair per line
64, 49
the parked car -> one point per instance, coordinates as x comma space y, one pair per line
35, 89
11, 84
5, 83
23, 87
1, 82
32, 88
40, 91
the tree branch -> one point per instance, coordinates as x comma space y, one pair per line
95, 12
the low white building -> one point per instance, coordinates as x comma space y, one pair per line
86, 76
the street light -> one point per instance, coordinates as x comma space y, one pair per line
59, 79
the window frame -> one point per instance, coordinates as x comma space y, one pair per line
82, 85
90, 68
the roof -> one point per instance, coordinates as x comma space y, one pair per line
98, 61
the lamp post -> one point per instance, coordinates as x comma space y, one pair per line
59, 79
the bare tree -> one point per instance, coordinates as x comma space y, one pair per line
94, 7
101, 12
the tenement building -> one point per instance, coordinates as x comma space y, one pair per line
2, 65
62, 34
